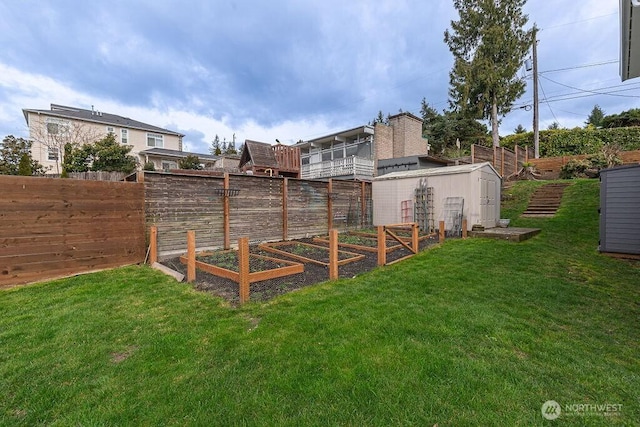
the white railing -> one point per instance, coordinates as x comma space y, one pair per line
349, 166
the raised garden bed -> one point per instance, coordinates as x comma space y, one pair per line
360, 241
306, 252
225, 264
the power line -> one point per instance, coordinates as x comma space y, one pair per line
596, 64
588, 91
549, 106
578, 22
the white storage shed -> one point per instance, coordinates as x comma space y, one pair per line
478, 184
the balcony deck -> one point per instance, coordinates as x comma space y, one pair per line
355, 167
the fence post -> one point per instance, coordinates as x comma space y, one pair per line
285, 208
243, 267
191, 256
363, 203
382, 246
330, 204
153, 244
473, 153
225, 212
464, 228
502, 161
441, 232
333, 254
414, 238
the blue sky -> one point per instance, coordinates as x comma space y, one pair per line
283, 69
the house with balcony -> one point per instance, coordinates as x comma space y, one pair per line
355, 153
50, 130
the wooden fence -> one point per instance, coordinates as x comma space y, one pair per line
59, 227
550, 167
223, 209
505, 161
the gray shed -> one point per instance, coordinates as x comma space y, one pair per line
620, 210
477, 184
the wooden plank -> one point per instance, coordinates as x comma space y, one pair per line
382, 245
401, 241
441, 232
330, 204
153, 245
226, 213
213, 269
285, 217
276, 273
191, 256
464, 228
168, 271
333, 254
243, 267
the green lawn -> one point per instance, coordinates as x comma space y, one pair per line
474, 332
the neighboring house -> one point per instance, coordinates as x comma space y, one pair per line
354, 153
260, 158
51, 129
629, 39
165, 159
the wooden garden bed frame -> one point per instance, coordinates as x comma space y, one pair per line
273, 247
291, 267
373, 249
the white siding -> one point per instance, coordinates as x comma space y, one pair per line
454, 181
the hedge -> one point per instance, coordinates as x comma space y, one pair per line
567, 142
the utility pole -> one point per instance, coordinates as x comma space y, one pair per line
536, 133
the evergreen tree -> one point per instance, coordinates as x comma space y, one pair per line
554, 126
215, 146
595, 117
488, 43
519, 129
190, 162
15, 157
103, 155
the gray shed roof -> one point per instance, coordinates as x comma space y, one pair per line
447, 170
97, 117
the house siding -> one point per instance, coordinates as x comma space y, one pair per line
620, 210
90, 132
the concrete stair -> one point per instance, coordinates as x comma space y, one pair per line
545, 201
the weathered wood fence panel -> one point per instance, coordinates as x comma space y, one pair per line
550, 167
256, 212
176, 203
307, 208
58, 227
505, 161
258, 208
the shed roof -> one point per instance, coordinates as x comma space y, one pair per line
617, 168
258, 154
447, 170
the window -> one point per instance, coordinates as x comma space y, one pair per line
169, 165
111, 129
124, 136
56, 126
52, 154
155, 140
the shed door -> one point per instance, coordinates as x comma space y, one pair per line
488, 201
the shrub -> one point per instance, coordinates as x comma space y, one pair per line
149, 166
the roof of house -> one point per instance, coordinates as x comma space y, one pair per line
259, 154
165, 152
97, 117
447, 170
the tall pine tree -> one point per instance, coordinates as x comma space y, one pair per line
488, 43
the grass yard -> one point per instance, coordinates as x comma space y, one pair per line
474, 332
